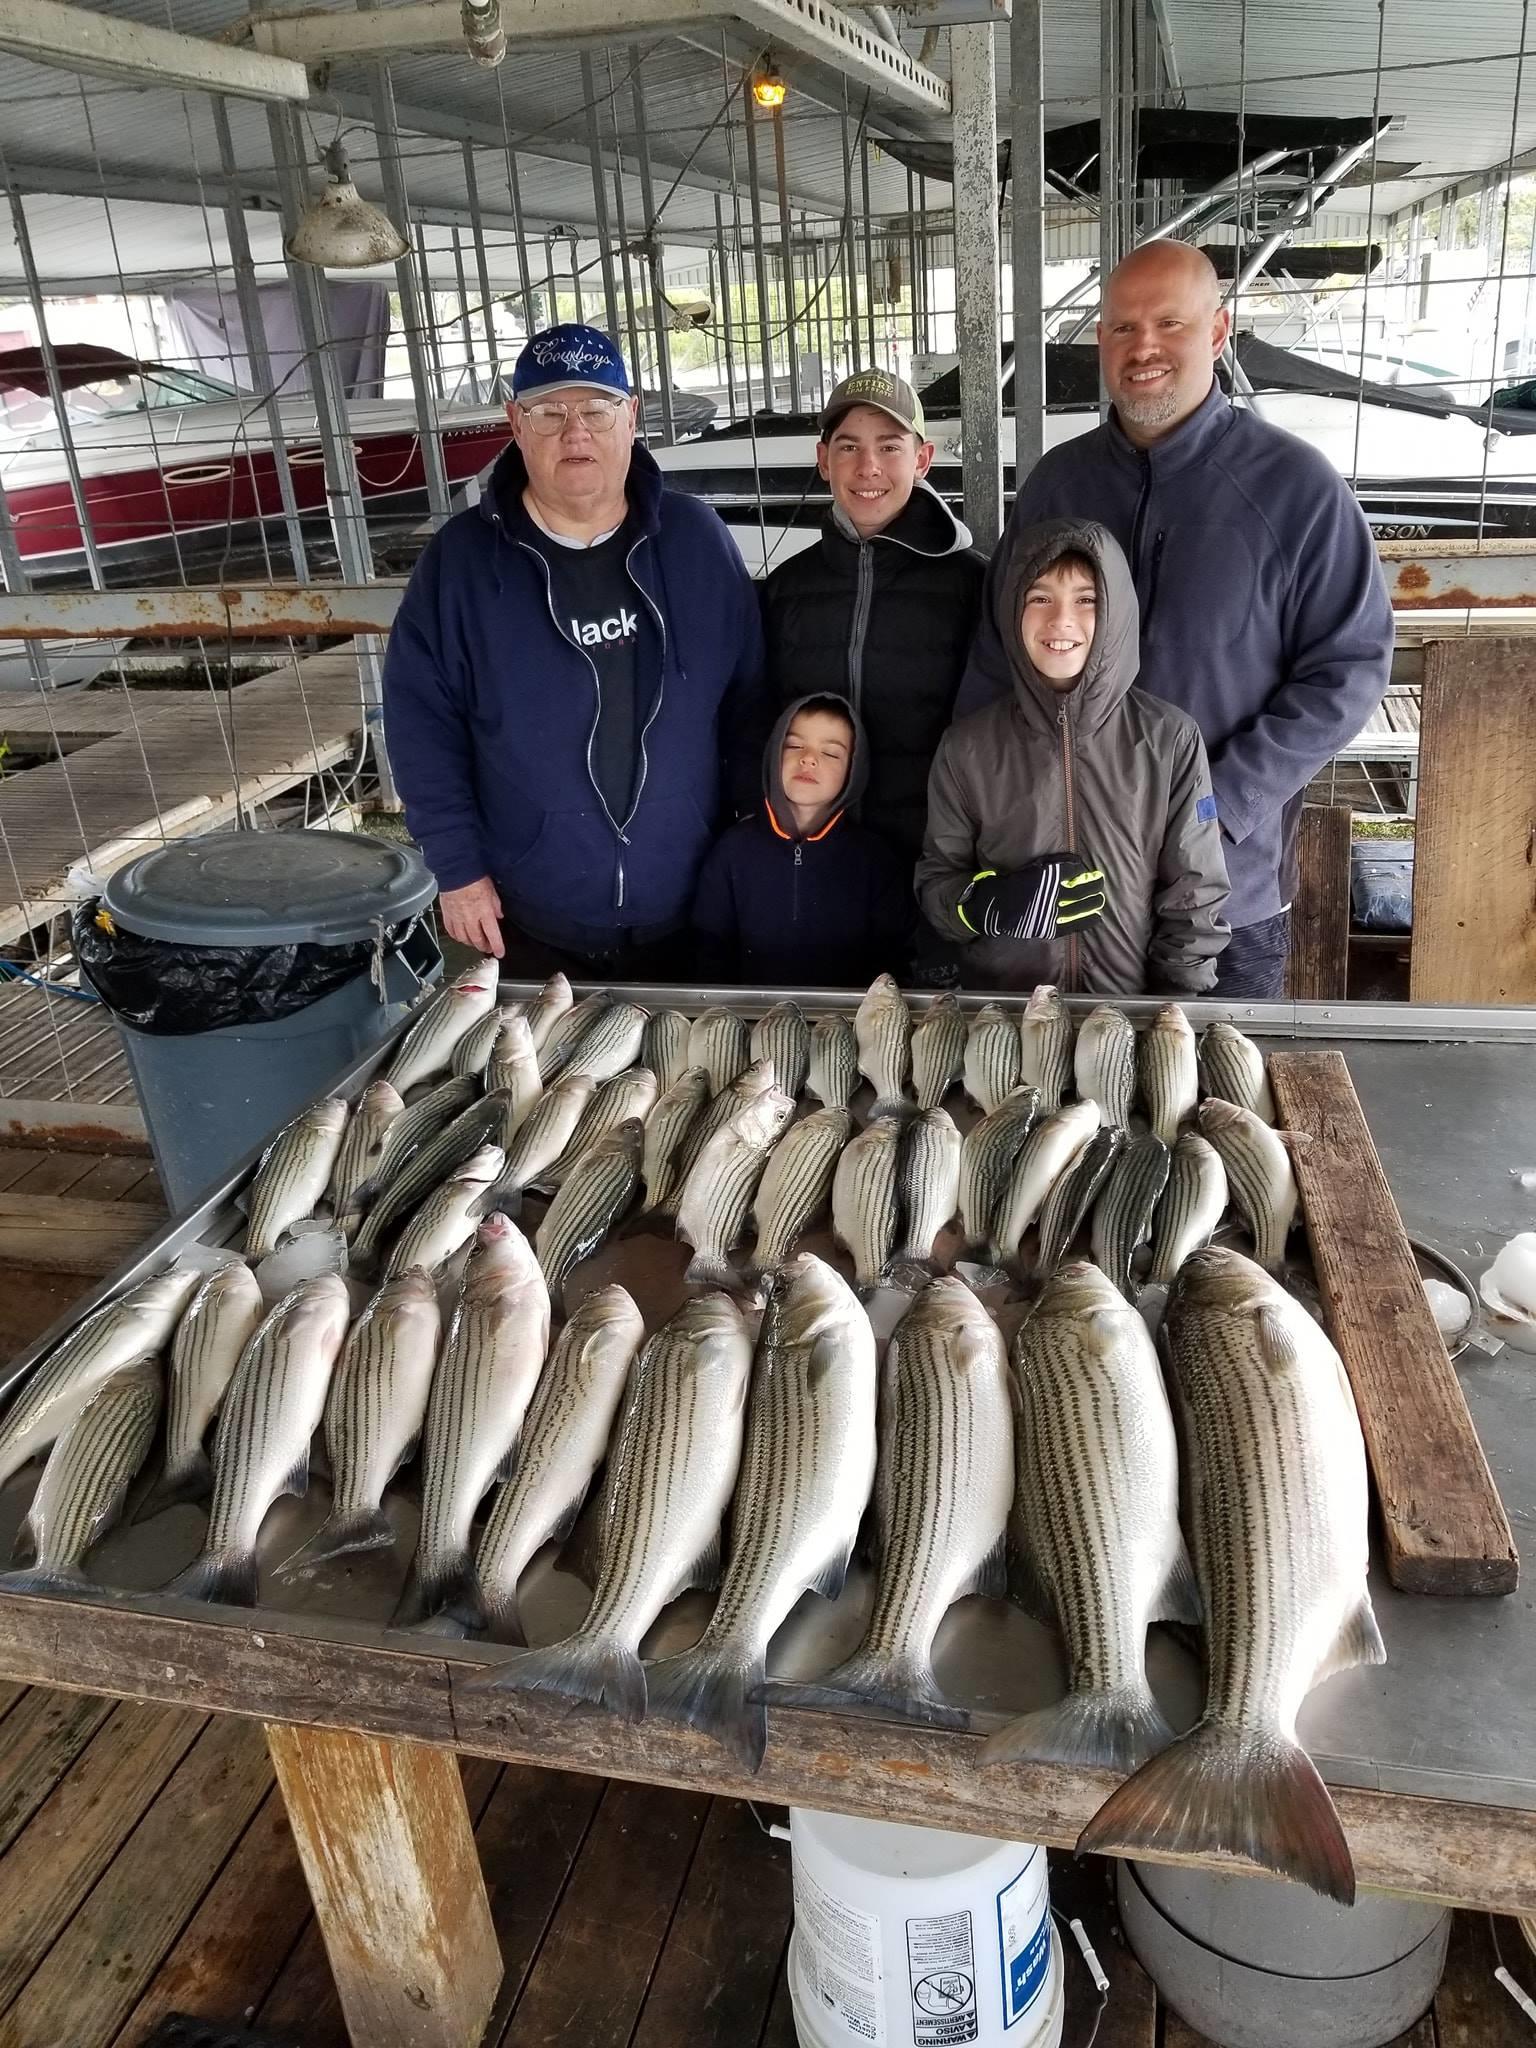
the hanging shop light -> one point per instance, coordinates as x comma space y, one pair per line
768, 87
341, 230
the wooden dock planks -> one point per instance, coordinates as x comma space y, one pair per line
1318, 969
1444, 1529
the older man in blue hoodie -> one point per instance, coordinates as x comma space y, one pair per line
565, 668
1264, 614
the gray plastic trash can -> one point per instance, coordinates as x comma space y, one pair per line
209, 1097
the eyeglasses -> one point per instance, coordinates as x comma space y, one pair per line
550, 417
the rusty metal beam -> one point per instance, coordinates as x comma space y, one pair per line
249, 611
1459, 575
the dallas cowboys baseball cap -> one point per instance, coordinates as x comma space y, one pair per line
566, 356
880, 389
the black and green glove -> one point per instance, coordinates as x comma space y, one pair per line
1041, 900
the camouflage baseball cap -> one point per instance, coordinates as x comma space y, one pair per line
880, 389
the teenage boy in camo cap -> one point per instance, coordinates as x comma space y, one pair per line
568, 661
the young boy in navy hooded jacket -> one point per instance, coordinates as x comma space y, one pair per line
798, 894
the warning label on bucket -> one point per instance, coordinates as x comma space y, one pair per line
1024, 1929
941, 1963
839, 1951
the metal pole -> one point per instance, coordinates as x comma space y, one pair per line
973, 83
924, 252
417, 233
599, 195
482, 273
527, 309
1109, 137
725, 310
656, 259
787, 262
621, 217
850, 281
1128, 186
869, 250
912, 260
759, 253
248, 298
465, 328
1027, 157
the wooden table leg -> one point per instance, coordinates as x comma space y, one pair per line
389, 1854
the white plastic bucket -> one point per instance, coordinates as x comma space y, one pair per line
915, 1938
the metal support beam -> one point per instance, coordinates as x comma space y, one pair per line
1110, 246
81, 39
656, 261
620, 215
869, 249
787, 262
482, 270
850, 264
599, 196
759, 253
722, 260
1027, 157
976, 279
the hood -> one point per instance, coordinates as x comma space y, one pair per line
776, 803
502, 499
924, 524
1115, 656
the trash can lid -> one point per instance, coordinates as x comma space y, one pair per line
269, 889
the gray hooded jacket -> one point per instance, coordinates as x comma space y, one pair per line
1119, 777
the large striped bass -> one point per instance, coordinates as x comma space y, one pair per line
666, 1138
1124, 1213
989, 1152
373, 1416
1104, 1063
1167, 1071
882, 1030
1052, 1148
1194, 1202
783, 1036
1259, 1176
592, 1198
136, 1325
615, 1101
361, 1149
927, 1190
564, 1439
480, 1394
432, 1162
671, 1467
547, 1008
209, 1343
447, 1218
1277, 1501
426, 1050
991, 1061
1071, 1200
540, 1139
796, 1185
415, 1126
866, 1210
1045, 1047
472, 1053
938, 1050
715, 1198
261, 1448
720, 1043
558, 1047
1232, 1069
513, 1068
834, 1070
754, 1081
610, 1043
86, 1479
1096, 1520
943, 1487
294, 1173
806, 1474
664, 1047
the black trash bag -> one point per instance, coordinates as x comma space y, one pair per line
173, 991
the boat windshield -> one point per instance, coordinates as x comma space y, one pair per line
149, 388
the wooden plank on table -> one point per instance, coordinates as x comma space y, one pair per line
1318, 969
43, 1736
63, 1234
97, 1969
1444, 1529
60, 1856
607, 1914
384, 1835
1474, 856
1472, 2009
713, 1985
779, 2030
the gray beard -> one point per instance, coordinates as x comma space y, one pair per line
1155, 410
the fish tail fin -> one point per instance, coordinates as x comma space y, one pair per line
911, 1271
1153, 1303
190, 1480
507, 1202
1120, 1730
592, 1668
893, 1105
455, 1622
712, 1687
357, 1529
1224, 1790
61, 1579
901, 1686
428, 1592
502, 1619
712, 1269
225, 1577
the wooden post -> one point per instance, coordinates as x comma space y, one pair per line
384, 1835
1474, 860
1318, 970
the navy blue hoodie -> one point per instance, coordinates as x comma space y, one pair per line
491, 709
779, 908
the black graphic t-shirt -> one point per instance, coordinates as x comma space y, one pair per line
598, 605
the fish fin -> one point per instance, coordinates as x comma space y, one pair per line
707, 1269
1179, 1599
227, 1578
911, 1273
1275, 1340
832, 1577
338, 1536
63, 1579
507, 1464
1153, 1303
1028, 1587
591, 1668
1230, 1791
191, 1481
296, 1481
990, 1578
502, 1619
451, 1621
707, 1570
427, 1594
24, 1550
1118, 1730
901, 1106
713, 1688
900, 1686
1358, 1642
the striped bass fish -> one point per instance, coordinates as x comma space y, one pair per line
136, 1325
1259, 1176
540, 1139
610, 1043
865, 1204
478, 1125
261, 1448
474, 1049
796, 1185
1193, 1203
480, 1392
664, 1048
374, 1411
1277, 1499
943, 1487
1122, 1220
86, 1479
989, 1152
1167, 1069
1096, 1520
720, 1043
559, 1045
592, 1198
1070, 1202
991, 1064
757, 1080
882, 1031
938, 1050
447, 1218
927, 1191
717, 1194
783, 1036
513, 1069
806, 1473
294, 1173
564, 1439
1052, 1148
209, 1343
632, 1094
427, 1049
834, 1070
671, 1468
1045, 1047
1232, 1069
547, 1008
415, 1126
1104, 1063
666, 1137
360, 1151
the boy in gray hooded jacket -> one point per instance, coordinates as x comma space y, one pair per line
1072, 834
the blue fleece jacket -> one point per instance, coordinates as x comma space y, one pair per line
1263, 610
491, 708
